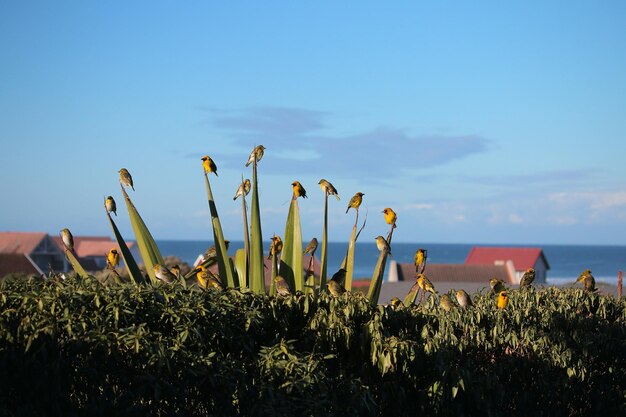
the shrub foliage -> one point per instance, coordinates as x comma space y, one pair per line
75, 347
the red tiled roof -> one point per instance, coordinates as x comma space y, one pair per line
20, 242
11, 263
85, 246
522, 258
456, 273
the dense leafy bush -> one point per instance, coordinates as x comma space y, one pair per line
79, 348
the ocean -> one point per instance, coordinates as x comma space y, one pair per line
566, 261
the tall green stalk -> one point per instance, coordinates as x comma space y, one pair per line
223, 261
244, 281
324, 260
131, 265
256, 267
373, 293
147, 246
291, 266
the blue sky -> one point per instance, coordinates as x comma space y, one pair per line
479, 122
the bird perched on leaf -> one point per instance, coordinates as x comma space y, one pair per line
276, 246
282, 287
175, 270
446, 302
383, 245
256, 155
328, 188
503, 300
298, 190
355, 201
527, 278
339, 276
420, 260
311, 247
67, 238
463, 298
335, 288
125, 178
496, 285
163, 274
390, 216
243, 189
206, 279
424, 283
212, 252
110, 205
588, 281
113, 259
209, 165
396, 302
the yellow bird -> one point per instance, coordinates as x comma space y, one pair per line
126, 179
390, 216
335, 288
383, 245
113, 259
276, 246
503, 300
202, 276
420, 260
355, 201
256, 155
463, 298
110, 205
163, 274
527, 278
311, 247
282, 287
209, 165
497, 285
328, 188
445, 302
396, 302
588, 281
243, 189
298, 190
67, 238
424, 283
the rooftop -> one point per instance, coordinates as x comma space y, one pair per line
522, 258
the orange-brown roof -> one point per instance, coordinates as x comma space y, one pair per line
456, 273
85, 246
20, 242
522, 258
11, 263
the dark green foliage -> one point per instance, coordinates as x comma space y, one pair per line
80, 348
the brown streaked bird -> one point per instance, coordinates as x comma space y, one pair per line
113, 259
463, 298
446, 302
256, 154
212, 252
175, 270
420, 260
355, 201
335, 288
282, 287
208, 165
496, 285
390, 216
527, 278
243, 189
298, 190
67, 238
588, 281
339, 276
328, 188
503, 300
126, 179
383, 245
163, 274
276, 247
311, 247
110, 205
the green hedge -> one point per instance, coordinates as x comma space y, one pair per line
79, 348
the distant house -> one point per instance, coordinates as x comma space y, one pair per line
38, 248
516, 260
461, 273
